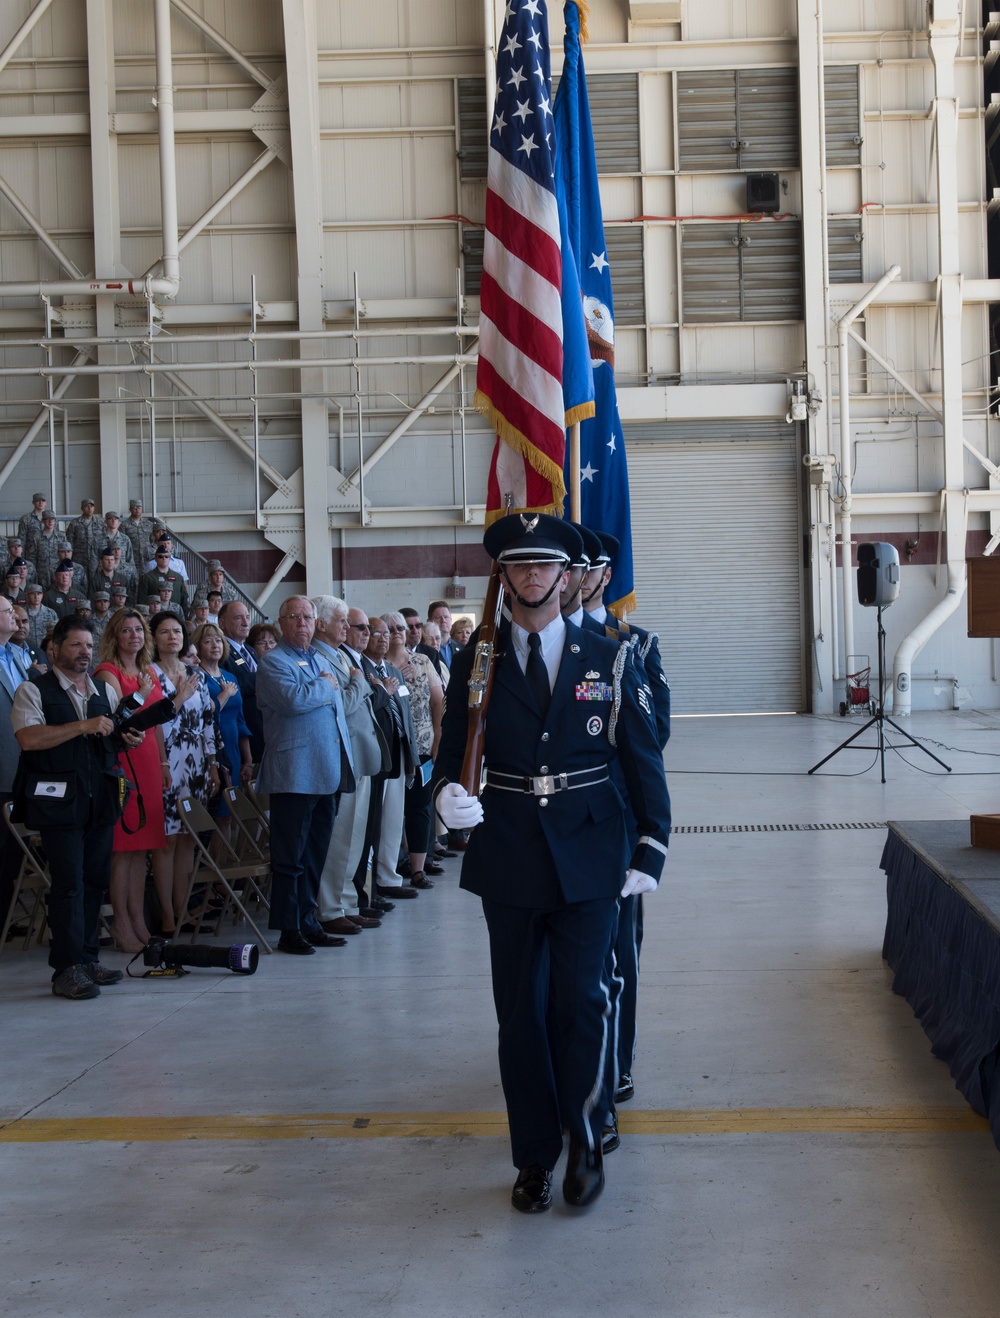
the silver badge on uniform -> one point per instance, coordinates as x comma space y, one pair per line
595, 725
592, 674
574, 649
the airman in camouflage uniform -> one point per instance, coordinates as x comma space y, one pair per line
85, 533
42, 549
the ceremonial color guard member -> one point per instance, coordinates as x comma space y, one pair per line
548, 853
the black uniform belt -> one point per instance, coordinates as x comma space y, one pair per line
547, 783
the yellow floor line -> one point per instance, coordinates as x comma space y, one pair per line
454, 1125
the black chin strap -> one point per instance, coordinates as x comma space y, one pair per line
596, 591
530, 604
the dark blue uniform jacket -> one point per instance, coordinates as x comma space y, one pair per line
571, 845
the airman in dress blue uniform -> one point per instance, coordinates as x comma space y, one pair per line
550, 856
646, 654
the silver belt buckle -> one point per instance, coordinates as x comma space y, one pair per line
544, 785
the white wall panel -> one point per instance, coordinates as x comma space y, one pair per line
391, 263
663, 347
404, 24
608, 23
656, 116
660, 244
896, 85
61, 37
377, 105
843, 191
388, 178
871, 16
252, 28
732, 19
621, 199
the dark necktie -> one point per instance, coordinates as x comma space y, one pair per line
397, 717
247, 657
537, 674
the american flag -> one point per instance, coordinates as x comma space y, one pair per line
519, 382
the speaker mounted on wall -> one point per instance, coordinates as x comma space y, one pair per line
763, 194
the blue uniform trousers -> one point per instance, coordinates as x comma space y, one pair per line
301, 825
553, 1009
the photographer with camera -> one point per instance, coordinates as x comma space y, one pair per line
69, 790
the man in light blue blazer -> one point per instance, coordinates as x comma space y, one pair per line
337, 907
13, 671
307, 763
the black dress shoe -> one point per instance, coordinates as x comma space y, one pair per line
401, 891
584, 1179
610, 1139
420, 880
292, 941
376, 909
626, 1089
532, 1192
317, 938
432, 867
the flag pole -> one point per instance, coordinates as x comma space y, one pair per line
574, 472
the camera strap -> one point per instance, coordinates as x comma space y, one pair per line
139, 803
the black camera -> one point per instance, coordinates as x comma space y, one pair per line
133, 715
241, 958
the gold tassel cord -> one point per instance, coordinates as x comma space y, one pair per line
584, 11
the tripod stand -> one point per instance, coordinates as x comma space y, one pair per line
879, 720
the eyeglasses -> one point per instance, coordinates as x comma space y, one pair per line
359, 626
381, 636
398, 630
297, 617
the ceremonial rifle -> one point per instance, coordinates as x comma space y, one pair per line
481, 684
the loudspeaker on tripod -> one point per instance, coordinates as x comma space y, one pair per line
878, 574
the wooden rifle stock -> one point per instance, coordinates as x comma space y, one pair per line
481, 684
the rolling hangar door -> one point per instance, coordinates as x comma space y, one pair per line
717, 541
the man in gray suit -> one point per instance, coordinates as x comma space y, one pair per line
307, 763
13, 671
337, 915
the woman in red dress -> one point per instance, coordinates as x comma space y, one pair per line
126, 667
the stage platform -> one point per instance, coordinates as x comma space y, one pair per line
942, 941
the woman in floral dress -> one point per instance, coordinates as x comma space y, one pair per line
191, 751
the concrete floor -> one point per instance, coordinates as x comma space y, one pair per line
793, 1148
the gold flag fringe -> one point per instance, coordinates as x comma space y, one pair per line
582, 412
494, 514
545, 467
623, 606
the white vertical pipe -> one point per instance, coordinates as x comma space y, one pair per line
843, 364
490, 56
168, 156
944, 35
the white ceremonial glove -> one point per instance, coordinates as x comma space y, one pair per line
636, 882
458, 810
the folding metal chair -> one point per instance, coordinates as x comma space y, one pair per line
253, 840
261, 803
27, 902
229, 873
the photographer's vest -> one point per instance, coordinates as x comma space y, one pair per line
75, 784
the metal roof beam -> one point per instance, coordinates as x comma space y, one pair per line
217, 39
18, 38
